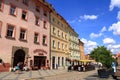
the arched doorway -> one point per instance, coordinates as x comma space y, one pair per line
19, 56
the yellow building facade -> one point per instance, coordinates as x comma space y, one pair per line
59, 41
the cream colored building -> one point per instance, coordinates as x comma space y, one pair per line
74, 49
59, 41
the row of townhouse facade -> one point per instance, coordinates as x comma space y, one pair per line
33, 33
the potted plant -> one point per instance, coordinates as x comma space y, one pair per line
104, 56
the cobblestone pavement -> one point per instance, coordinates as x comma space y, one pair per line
90, 75
30, 75
51, 75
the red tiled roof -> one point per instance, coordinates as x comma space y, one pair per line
118, 55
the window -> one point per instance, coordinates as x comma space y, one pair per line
25, 2
53, 19
44, 40
58, 45
37, 21
58, 23
62, 35
66, 60
53, 43
58, 33
45, 24
58, 61
66, 47
1, 5
45, 13
53, 30
62, 61
36, 36
13, 10
24, 15
66, 36
10, 31
61, 25
22, 34
37, 9
62, 46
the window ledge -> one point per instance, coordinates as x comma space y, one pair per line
37, 24
23, 40
36, 43
9, 37
13, 15
24, 19
44, 44
54, 47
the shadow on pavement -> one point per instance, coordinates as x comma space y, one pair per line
95, 77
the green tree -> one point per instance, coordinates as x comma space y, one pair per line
103, 55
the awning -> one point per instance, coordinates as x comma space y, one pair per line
87, 60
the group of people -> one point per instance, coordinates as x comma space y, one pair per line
20, 67
76, 67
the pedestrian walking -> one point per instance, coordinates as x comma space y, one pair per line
57, 66
114, 66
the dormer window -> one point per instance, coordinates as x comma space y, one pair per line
37, 9
24, 15
45, 24
25, 2
13, 10
1, 5
37, 21
45, 13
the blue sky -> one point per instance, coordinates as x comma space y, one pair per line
96, 21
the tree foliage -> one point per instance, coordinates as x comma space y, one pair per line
103, 55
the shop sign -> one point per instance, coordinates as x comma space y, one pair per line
40, 51
40, 54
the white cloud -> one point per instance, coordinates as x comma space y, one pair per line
118, 16
89, 17
74, 21
89, 45
84, 40
84, 17
103, 29
108, 41
93, 35
116, 28
114, 48
114, 3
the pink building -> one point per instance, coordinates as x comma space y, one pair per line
24, 33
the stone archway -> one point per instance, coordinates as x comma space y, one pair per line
19, 56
